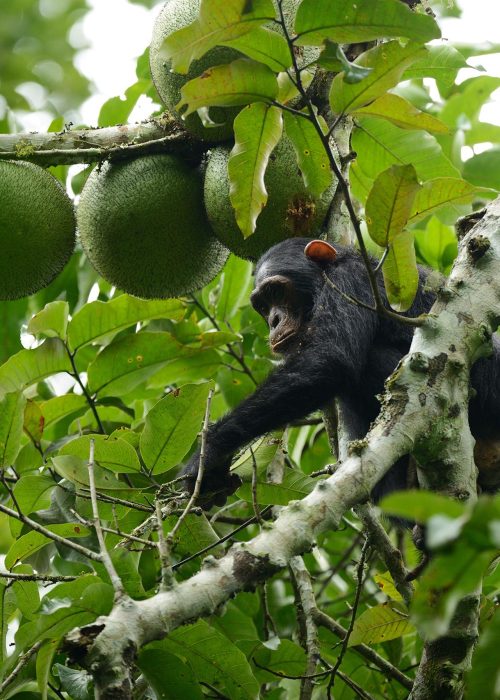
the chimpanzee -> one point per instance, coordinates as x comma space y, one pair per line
332, 347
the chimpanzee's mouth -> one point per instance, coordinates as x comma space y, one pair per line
282, 342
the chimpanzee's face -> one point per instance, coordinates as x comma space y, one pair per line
277, 300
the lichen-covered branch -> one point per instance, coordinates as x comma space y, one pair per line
70, 146
456, 332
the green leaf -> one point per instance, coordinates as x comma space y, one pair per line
100, 318
169, 676
483, 169
8, 607
213, 659
30, 366
60, 407
419, 506
78, 684
262, 453
117, 110
294, 487
11, 427
448, 578
51, 321
389, 203
288, 659
238, 83
441, 62
443, 191
75, 469
264, 45
236, 279
436, 245
26, 592
379, 144
400, 272
311, 155
334, 59
388, 61
380, 623
128, 362
172, 425
191, 365
257, 130
216, 23
32, 492
483, 680
346, 22
110, 452
386, 584
33, 541
44, 659
402, 113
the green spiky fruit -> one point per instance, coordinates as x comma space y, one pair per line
291, 210
177, 14
143, 227
37, 229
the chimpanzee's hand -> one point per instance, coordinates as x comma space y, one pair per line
217, 484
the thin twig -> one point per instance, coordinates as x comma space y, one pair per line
199, 476
106, 559
167, 580
36, 577
49, 534
23, 661
345, 643
113, 531
76, 375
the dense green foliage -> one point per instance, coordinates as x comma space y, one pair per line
133, 375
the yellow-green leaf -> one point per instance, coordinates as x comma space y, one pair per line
33, 541
257, 130
311, 155
389, 61
238, 83
441, 192
51, 321
346, 22
216, 23
389, 203
379, 624
11, 427
402, 113
400, 272
264, 45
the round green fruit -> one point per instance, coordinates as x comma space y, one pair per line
37, 229
291, 210
177, 14
143, 227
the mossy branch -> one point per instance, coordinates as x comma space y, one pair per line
71, 146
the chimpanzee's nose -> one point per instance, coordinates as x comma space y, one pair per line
274, 320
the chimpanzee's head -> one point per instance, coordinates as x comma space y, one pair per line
287, 282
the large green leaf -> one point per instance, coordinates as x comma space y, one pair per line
380, 624
238, 83
51, 321
100, 318
379, 144
214, 659
76, 470
401, 113
441, 62
310, 151
172, 425
236, 278
33, 491
170, 677
30, 543
129, 361
264, 45
388, 62
60, 407
110, 452
400, 272
443, 191
11, 427
216, 23
29, 366
389, 203
346, 22
257, 130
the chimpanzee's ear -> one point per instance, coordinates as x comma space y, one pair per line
320, 252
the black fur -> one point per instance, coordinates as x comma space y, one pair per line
345, 351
